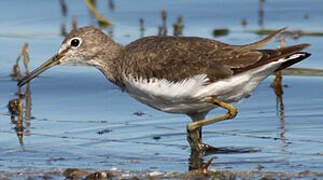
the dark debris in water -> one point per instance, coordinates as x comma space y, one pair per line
156, 137
104, 131
220, 32
139, 113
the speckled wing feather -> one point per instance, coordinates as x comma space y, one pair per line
174, 58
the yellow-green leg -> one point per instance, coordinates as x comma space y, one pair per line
193, 134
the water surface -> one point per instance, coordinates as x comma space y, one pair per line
81, 120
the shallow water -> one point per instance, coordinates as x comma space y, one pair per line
80, 120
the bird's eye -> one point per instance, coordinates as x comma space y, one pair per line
75, 42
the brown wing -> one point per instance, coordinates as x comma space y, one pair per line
177, 58
174, 58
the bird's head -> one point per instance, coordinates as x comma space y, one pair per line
84, 46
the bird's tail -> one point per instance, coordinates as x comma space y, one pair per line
293, 54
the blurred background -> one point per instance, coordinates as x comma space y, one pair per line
74, 117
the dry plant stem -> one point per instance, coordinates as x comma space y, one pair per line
278, 75
276, 85
193, 135
178, 27
74, 23
142, 27
26, 60
162, 30
282, 42
100, 18
22, 52
63, 7
16, 73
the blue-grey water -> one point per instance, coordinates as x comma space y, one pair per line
71, 106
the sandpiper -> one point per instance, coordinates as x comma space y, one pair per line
187, 75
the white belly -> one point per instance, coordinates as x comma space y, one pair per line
186, 96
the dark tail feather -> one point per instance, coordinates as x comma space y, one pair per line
302, 55
272, 55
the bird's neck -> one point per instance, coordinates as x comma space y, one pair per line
108, 63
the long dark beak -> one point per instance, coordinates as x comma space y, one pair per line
48, 64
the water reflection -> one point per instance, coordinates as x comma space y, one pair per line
196, 159
278, 89
280, 109
16, 109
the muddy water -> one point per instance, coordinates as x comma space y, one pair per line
80, 120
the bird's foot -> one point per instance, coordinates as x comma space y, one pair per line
197, 146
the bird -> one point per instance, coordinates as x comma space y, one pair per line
181, 75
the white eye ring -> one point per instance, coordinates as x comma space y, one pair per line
75, 42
